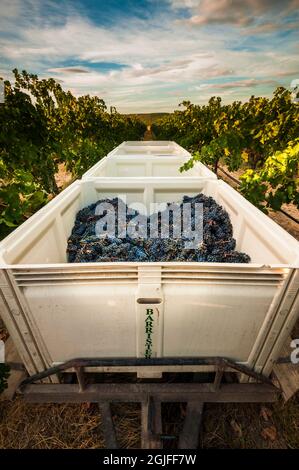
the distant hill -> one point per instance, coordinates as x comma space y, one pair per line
148, 118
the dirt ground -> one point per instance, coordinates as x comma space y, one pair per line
148, 135
79, 426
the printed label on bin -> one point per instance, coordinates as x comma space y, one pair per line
149, 331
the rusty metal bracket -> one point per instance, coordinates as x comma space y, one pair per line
219, 362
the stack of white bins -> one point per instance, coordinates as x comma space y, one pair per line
56, 311
148, 158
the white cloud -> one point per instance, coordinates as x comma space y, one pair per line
236, 12
178, 4
247, 83
10, 9
158, 56
69, 70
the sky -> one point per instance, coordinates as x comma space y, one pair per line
150, 55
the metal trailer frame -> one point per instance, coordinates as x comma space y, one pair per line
254, 388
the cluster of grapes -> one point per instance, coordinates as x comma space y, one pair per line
217, 245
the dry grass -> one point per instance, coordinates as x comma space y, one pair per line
247, 426
127, 422
66, 426
31, 426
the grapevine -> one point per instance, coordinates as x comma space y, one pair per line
260, 137
42, 125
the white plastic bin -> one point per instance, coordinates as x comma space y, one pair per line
136, 166
135, 159
150, 147
57, 311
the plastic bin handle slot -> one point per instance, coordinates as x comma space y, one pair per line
144, 300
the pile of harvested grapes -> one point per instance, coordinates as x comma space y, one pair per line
85, 245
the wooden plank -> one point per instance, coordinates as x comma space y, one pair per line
151, 424
158, 423
80, 377
145, 424
165, 392
143, 371
189, 436
16, 376
107, 425
218, 378
287, 374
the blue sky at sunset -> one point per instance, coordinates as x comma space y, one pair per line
149, 55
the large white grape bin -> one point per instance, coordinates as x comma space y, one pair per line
57, 311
